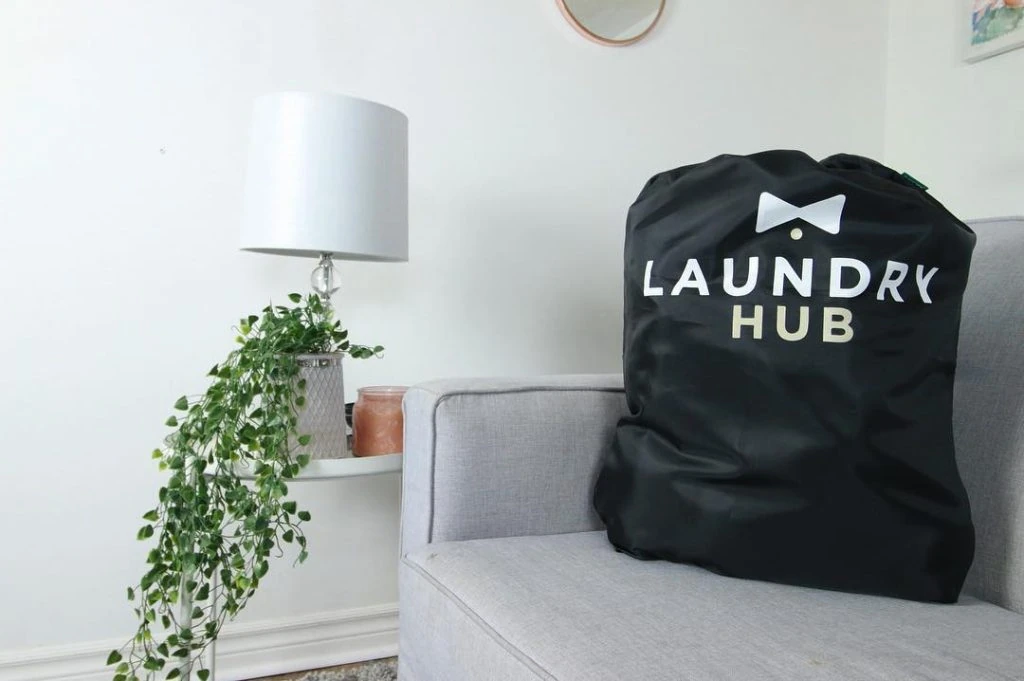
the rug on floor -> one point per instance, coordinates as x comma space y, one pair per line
380, 670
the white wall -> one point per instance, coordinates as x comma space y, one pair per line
122, 149
958, 127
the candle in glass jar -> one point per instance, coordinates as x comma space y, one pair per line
377, 424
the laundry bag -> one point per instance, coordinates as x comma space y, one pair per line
790, 341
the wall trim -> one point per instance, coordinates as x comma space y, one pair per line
244, 651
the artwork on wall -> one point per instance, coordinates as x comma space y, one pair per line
995, 26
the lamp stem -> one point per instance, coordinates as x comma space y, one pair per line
324, 280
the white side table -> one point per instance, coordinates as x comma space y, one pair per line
318, 469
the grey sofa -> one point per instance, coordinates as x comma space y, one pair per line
505, 574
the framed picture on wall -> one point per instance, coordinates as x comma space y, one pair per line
994, 26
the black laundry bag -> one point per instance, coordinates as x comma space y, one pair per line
789, 349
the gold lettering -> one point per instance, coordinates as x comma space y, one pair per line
756, 322
780, 323
835, 327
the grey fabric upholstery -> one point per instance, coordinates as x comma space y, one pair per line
988, 411
500, 462
568, 607
499, 458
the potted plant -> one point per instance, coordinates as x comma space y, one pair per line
215, 535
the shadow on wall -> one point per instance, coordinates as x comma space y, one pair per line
544, 287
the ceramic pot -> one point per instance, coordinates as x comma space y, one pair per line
323, 415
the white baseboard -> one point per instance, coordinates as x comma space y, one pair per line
244, 651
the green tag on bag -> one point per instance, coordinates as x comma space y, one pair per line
914, 181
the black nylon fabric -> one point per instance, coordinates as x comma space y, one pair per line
800, 431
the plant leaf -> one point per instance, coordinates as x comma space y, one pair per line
181, 404
114, 657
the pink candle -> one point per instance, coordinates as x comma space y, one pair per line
377, 424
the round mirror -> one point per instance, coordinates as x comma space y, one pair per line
612, 22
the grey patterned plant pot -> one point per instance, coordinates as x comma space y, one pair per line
323, 415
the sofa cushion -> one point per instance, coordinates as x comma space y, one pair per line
568, 608
988, 411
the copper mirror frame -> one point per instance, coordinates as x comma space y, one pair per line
590, 35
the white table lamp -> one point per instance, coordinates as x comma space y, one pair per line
327, 178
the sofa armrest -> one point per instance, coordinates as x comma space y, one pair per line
503, 457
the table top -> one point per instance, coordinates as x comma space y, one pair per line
329, 469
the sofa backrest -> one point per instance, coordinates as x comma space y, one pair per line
988, 410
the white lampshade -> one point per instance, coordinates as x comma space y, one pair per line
327, 174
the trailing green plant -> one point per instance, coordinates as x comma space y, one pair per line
214, 534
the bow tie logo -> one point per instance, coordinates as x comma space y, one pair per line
825, 215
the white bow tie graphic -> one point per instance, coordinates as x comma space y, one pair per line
825, 215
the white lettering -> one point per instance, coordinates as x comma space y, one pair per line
648, 289
895, 273
692, 277
836, 289
784, 271
923, 280
728, 277
842, 283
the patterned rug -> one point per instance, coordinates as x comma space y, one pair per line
379, 670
